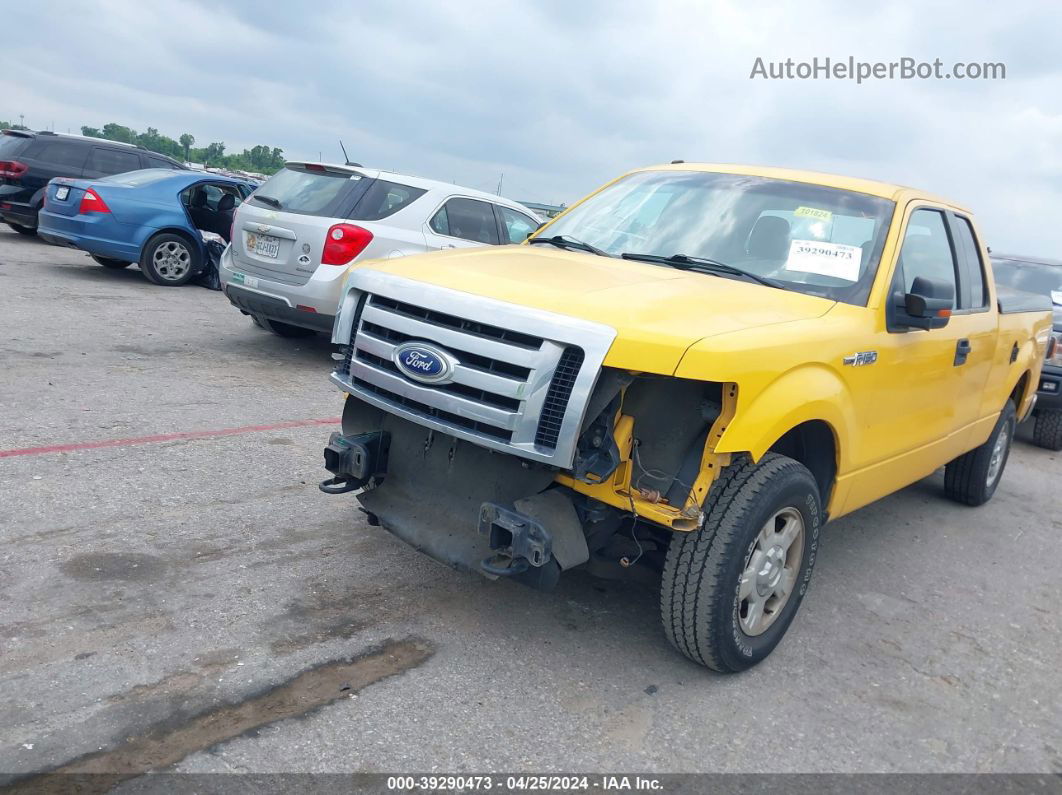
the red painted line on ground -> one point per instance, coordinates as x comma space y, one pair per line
165, 437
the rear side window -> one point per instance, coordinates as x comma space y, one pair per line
63, 154
467, 219
383, 199
517, 225
112, 161
305, 192
926, 251
974, 268
158, 162
12, 145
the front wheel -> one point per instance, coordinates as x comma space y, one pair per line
972, 478
169, 260
107, 262
731, 589
1047, 428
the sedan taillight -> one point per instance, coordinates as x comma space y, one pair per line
92, 203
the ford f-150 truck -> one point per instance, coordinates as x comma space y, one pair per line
688, 372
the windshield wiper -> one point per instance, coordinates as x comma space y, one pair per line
267, 199
703, 264
564, 241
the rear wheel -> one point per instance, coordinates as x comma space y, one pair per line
1047, 428
22, 230
283, 329
972, 478
107, 262
169, 260
731, 589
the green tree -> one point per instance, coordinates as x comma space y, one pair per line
186, 143
92, 132
116, 132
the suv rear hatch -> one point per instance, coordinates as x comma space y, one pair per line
279, 232
13, 143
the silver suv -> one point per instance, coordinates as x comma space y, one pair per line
294, 237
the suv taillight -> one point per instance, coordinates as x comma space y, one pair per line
343, 243
92, 203
12, 169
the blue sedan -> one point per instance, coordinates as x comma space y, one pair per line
155, 217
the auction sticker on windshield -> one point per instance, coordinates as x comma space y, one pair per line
825, 259
812, 212
264, 245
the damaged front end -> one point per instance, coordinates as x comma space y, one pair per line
493, 438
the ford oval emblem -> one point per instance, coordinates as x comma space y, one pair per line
423, 362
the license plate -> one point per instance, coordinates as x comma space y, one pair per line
264, 245
62, 193
244, 279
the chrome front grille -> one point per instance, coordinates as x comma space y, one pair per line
521, 378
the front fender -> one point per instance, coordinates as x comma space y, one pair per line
809, 392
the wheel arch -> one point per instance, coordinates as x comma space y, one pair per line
174, 230
814, 444
809, 402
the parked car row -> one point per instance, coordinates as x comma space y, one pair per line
28, 160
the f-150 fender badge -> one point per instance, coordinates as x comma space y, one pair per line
860, 359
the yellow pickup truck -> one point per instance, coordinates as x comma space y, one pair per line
683, 377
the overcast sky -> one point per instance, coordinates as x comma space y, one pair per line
562, 96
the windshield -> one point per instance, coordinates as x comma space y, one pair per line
807, 238
1032, 277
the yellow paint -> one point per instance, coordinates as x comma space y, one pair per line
779, 353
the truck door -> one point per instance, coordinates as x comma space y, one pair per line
908, 398
978, 326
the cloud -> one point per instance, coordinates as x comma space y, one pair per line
561, 96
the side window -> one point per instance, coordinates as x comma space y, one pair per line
974, 268
383, 199
439, 223
926, 250
517, 225
158, 162
64, 155
469, 219
112, 161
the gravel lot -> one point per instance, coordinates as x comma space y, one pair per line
199, 603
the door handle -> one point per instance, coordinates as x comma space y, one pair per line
962, 350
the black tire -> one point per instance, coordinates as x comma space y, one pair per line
23, 230
700, 602
284, 329
107, 262
170, 260
966, 479
1047, 428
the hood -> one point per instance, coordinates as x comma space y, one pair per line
657, 311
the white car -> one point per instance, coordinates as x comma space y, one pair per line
294, 237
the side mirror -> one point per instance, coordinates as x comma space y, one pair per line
928, 305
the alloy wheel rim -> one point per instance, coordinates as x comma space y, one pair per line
770, 574
172, 260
